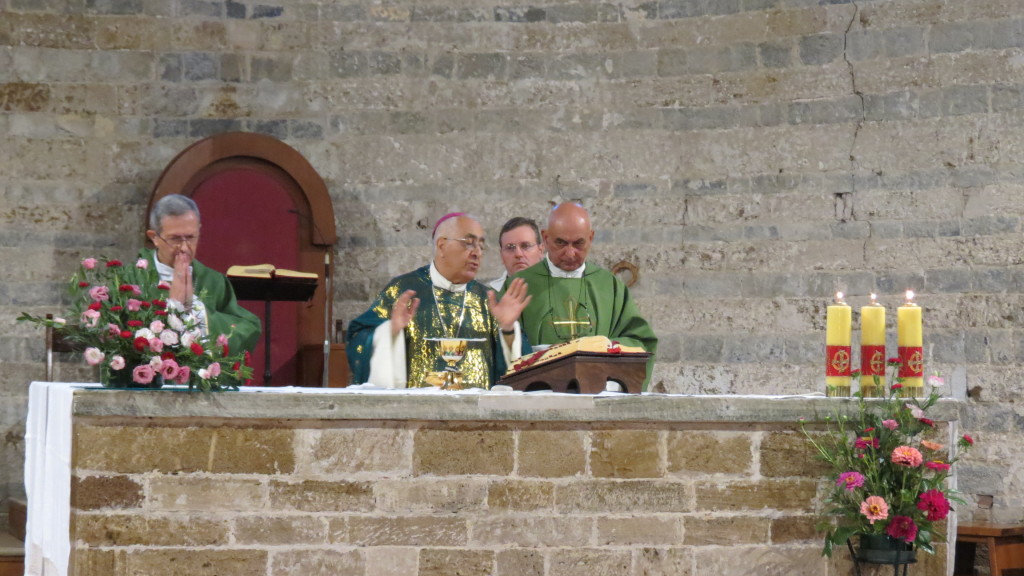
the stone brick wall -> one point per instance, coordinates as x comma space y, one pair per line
751, 157
158, 496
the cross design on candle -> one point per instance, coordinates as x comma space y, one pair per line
877, 363
841, 361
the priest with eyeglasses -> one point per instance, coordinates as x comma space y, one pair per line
573, 298
406, 337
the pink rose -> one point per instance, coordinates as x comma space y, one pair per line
184, 373
89, 263
156, 345
143, 374
117, 362
90, 318
169, 337
142, 263
93, 356
222, 340
156, 326
169, 370
214, 369
99, 293
134, 305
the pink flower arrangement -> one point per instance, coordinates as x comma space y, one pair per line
125, 328
881, 482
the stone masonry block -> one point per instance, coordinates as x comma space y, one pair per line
150, 530
532, 531
316, 495
905, 41
628, 497
793, 495
253, 451
440, 562
551, 453
196, 562
430, 495
184, 492
408, 531
93, 561
788, 454
731, 531
318, 562
625, 454
349, 450
783, 560
794, 529
952, 36
96, 492
472, 451
280, 530
820, 49
639, 530
520, 496
391, 561
709, 452
519, 562
677, 561
130, 450
589, 562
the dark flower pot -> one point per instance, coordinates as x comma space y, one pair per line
884, 549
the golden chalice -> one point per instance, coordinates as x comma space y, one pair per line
452, 351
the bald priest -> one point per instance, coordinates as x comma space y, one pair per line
397, 342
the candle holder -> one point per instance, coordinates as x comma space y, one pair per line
839, 359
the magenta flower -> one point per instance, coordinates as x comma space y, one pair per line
874, 508
902, 528
89, 263
907, 456
935, 504
169, 369
890, 424
850, 480
184, 373
134, 305
937, 465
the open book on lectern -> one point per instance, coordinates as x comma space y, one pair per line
267, 271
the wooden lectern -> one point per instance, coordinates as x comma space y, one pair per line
272, 289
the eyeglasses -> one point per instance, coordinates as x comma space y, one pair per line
177, 241
470, 243
510, 248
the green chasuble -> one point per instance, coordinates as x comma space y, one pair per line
599, 296
222, 309
441, 314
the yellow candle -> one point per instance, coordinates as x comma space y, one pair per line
837, 348
910, 342
872, 349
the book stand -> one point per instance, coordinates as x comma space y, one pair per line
274, 289
583, 373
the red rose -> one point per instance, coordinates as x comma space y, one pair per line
134, 323
160, 303
116, 308
160, 312
113, 263
236, 366
95, 306
144, 304
968, 439
168, 355
125, 288
927, 422
163, 286
126, 334
897, 386
197, 349
141, 344
83, 284
225, 351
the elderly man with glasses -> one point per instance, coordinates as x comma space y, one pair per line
202, 294
397, 343
521, 247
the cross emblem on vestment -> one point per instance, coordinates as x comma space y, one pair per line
572, 322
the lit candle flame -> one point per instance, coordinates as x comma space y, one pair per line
873, 299
910, 296
839, 297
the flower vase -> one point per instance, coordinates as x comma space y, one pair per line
123, 378
884, 549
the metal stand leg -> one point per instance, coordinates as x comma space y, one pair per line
266, 345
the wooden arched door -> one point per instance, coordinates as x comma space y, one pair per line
261, 202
